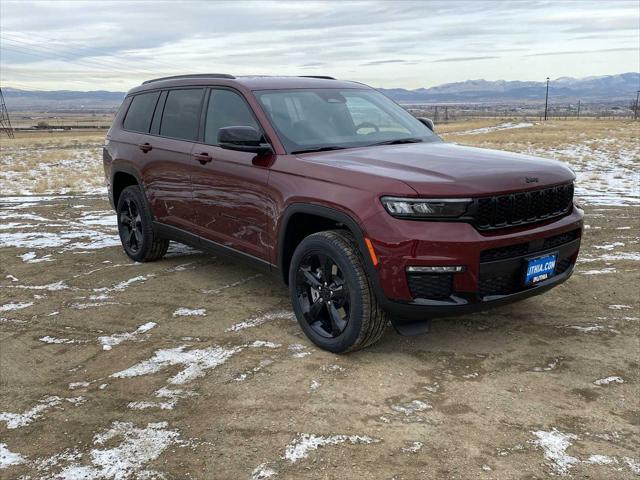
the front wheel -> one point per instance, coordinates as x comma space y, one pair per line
332, 298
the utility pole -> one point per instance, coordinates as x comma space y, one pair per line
5, 123
578, 109
635, 110
546, 100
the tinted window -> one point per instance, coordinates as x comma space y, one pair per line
226, 109
155, 123
140, 112
181, 114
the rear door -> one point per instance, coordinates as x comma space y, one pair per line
230, 190
174, 130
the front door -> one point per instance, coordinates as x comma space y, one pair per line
230, 189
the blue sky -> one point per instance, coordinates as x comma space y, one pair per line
115, 45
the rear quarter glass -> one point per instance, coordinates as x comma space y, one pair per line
138, 118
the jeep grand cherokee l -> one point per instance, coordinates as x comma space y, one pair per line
360, 208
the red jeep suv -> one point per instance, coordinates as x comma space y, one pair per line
359, 207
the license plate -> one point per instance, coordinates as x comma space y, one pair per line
540, 268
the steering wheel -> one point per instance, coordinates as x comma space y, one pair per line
368, 125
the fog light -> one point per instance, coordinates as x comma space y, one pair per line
437, 269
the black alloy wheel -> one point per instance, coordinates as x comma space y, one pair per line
130, 226
323, 294
135, 226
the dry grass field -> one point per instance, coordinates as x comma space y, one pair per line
194, 367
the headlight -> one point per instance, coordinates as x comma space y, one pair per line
426, 208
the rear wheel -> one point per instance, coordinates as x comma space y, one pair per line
332, 298
135, 226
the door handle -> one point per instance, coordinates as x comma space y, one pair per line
145, 147
203, 157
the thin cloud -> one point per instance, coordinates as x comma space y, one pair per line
383, 62
463, 59
581, 52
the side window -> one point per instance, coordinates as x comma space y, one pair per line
140, 111
226, 109
157, 115
181, 116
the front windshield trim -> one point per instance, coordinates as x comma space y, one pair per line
349, 117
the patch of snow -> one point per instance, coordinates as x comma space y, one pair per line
495, 128
554, 444
110, 341
8, 458
304, 443
550, 366
51, 287
188, 312
314, 385
122, 286
170, 399
598, 272
608, 380
609, 246
195, 362
259, 320
49, 339
17, 420
633, 464
12, 278
31, 257
601, 460
471, 375
264, 344
412, 407
216, 291
299, 351
74, 385
261, 472
8, 307
619, 307
591, 328
138, 446
413, 447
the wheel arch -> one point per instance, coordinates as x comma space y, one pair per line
123, 176
296, 224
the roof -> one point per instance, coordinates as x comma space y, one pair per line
256, 82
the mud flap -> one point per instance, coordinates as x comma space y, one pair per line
409, 328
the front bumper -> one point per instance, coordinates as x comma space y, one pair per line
494, 262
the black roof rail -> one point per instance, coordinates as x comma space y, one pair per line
324, 77
194, 75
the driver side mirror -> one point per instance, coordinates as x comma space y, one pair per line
243, 139
427, 122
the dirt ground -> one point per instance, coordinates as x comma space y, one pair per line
194, 367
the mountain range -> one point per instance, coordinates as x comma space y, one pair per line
603, 89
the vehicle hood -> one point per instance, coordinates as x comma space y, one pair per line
443, 169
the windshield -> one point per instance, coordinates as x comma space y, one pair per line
327, 119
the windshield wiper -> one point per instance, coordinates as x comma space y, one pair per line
397, 141
319, 149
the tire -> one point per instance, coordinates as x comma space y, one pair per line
135, 227
338, 312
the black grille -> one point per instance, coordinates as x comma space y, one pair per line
504, 252
432, 286
561, 239
520, 249
499, 285
526, 207
563, 265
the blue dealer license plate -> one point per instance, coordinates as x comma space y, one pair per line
540, 268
